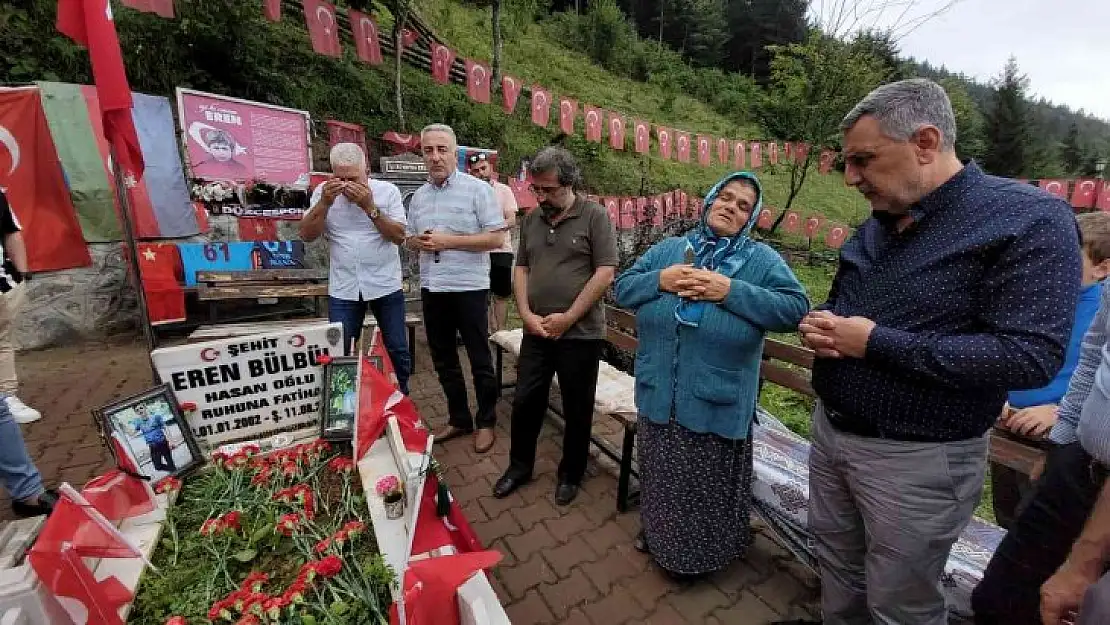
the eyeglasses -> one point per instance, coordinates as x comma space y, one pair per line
545, 190
475, 158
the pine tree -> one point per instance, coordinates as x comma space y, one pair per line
1008, 124
755, 24
1071, 153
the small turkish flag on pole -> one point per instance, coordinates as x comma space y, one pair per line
541, 106
272, 10
682, 143
442, 60
643, 137
477, 81
704, 156
1103, 201
323, 29
1084, 194
739, 152
593, 123
665, 137
367, 37
616, 131
510, 92
568, 110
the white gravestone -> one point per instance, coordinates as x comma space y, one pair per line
251, 387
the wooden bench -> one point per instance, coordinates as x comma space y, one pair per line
216, 286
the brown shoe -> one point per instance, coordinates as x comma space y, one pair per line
483, 440
450, 432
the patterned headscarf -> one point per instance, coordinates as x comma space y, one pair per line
716, 253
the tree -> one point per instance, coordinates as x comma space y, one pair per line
1071, 153
755, 24
969, 121
813, 85
1008, 124
495, 9
401, 10
882, 46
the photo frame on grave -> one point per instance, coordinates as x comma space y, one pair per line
339, 399
152, 431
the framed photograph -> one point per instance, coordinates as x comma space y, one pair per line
152, 431
339, 400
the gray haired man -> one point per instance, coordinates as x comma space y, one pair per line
961, 287
566, 260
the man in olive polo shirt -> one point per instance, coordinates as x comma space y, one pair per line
566, 260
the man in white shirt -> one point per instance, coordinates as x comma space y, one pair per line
500, 259
364, 222
454, 221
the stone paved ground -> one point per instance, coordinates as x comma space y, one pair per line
570, 565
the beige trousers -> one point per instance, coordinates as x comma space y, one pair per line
10, 303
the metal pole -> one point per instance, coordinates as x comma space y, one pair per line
133, 259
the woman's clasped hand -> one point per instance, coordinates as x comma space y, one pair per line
694, 284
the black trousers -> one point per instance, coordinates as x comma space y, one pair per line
464, 314
162, 456
1011, 492
576, 363
1039, 540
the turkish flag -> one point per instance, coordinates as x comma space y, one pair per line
119, 496
65, 574
613, 208
1059, 188
722, 151
641, 210
773, 153
477, 81
704, 155
682, 202
1084, 194
510, 93
668, 205
379, 399
430, 586
739, 152
163, 8
828, 157
379, 354
801, 153
367, 37
541, 106
792, 222
1103, 201
159, 265
657, 209
757, 156
342, 132
836, 236
628, 214
643, 136
402, 142
35, 185
433, 531
593, 123
682, 146
812, 225
523, 193
323, 29
89, 23
272, 10
616, 131
665, 136
442, 60
568, 110
257, 229
766, 219
788, 151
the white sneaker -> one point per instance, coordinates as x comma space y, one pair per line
21, 412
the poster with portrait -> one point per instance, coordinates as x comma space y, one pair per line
238, 140
151, 431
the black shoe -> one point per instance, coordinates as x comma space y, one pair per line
565, 493
507, 484
684, 578
45, 506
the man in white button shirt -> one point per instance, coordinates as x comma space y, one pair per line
364, 222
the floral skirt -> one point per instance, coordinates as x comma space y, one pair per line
695, 497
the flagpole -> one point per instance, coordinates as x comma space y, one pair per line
133, 259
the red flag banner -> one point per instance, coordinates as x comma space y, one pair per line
773, 153
739, 151
35, 185
641, 210
836, 236
342, 132
257, 229
402, 142
510, 93
367, 37
541, 106
628, 213
812, 225
442, 60
89, 23
272, 10
163, 8
1103, 201
117, 495
323, 29
792, 222
828, 157
408, 38
616, 131
788, 151
682, 202
477, 81
523, 193
704, 155
613, 208
1084, 194
757, 156
668, 205
801, 153
643, 136
766, 219
159, 268
657, 210
665, 136
682, 145
1059, 188
593, 123
568, 110
722, 151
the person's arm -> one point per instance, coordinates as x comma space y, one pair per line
1025, 333
17, 250
639, 284
1090, 355
391, 221
777, 304
1090, 553
533, 323
314, 220
481, 242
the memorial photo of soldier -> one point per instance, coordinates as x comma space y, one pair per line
340, 405
152, 432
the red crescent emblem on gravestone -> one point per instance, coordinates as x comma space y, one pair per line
297, 340
208, 354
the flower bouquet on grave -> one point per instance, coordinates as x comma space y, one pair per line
391, 491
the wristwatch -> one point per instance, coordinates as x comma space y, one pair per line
373, 213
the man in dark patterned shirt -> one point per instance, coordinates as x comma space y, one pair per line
960, 288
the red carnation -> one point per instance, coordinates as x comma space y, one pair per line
323, 545
339, 464
323, 359
212, 526
232, 519
288, 524
188, 406
328, 567
248, 619
254, 581
167, 484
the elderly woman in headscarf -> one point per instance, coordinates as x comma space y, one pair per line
703, 303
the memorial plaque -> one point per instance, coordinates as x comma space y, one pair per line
250, 387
